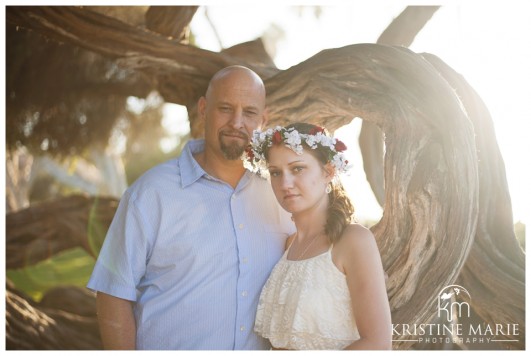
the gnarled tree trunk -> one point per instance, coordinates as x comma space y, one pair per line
401, 32
182, 71
494, 272
43, 230
67, 321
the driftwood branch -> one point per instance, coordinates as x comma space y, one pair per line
183, 70
401, 32
499, 295
371, 143
494, 272
406, 26
54, 324
43, 230
171, 21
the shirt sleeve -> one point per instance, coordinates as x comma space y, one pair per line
122, 260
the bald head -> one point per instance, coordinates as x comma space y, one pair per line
232, 108
237, 74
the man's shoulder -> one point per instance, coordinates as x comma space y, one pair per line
170, 166
171, 169
161, 174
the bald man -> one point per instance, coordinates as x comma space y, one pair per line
194, 239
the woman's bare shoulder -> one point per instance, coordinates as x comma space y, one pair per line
355, 234
357, 241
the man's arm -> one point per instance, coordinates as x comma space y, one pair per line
117, 322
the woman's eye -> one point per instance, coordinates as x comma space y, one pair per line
274, 173
298, 169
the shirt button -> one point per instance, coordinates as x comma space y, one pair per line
242, 328
245, 260
244, 293
240, 226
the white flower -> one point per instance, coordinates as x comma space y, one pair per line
311, 141
293, 140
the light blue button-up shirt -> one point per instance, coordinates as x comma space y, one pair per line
193, 253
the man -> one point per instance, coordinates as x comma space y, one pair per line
194, 239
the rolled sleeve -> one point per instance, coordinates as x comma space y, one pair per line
122, 259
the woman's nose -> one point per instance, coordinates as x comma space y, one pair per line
287, 181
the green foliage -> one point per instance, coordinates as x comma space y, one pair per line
72, 267
97, 230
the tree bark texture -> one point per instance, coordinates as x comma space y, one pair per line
68, 323
43, 230
184, 71
371, 143
432, 189
171, 21
400, 32
494, 272
406, 26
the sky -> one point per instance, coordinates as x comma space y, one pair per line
488, 43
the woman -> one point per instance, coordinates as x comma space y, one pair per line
328, 290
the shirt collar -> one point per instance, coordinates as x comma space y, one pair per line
190, 170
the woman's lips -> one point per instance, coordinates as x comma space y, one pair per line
290, 196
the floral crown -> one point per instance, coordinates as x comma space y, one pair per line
254, 156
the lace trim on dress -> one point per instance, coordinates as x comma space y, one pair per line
306, 304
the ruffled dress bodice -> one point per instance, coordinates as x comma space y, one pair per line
306, 305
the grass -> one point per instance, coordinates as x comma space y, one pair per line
71, 267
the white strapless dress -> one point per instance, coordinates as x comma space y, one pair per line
305, 305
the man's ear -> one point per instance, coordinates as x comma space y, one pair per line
201, 107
